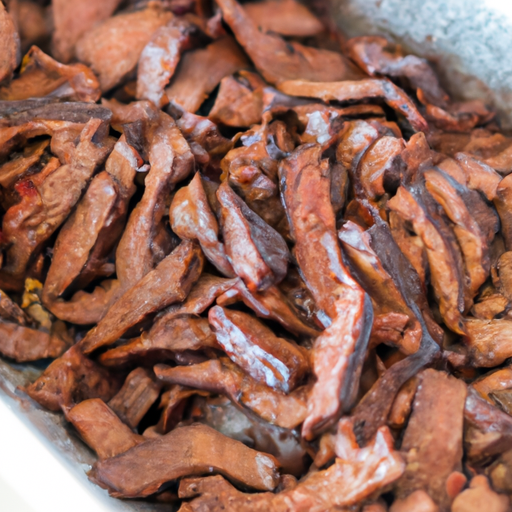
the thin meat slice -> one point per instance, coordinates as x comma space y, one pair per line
101, 429
378, 57
192, 218
489, 342
168, 283
89, 235
10, 55
355, 475
140, 390
479, 176
471, 241
42, 76
488, 430
24, 344
113, 47
271, 304
29, 224
372, 276
200, 71
223, 377
11, 312
70, 379
159, 59
285, 17
239, 102
186, 451
442, 265
72, 20
433, 437
279, 60
350, 90
273, 361
503, 202
338, 352
170, 335
171, 161
257, 252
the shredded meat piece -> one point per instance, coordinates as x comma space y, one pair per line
112, 48
202, 70
197, 449
279, 60
350, 90
101, 429
43, 76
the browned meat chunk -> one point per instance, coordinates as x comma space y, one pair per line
419, 501
29, 224
258, 253
158, 61
270, 360
503, 202
11, 312
350, 90
239, 101
113, 47
223, 377
9, 46
402, 405
285, 17
42, 76
70, 379
192, 218
433, 437
101, 429
337, 358
479, 176
202, 70
445, 280
489, 384
140, 390
73, 19
186, 451
489, 341
378, 57
168, 283
170, 335
480, 496
279, 60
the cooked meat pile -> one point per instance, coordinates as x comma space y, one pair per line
264, 267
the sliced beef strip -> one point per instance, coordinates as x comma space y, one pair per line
11, 312
200, 71
168, 283
279, 60
257, 252
270, 304
42, 76
353, 90
10, 45
192, 218
186, 451
70, 379
29, 224
339, 350
378, 57
170, 334
433, 438
276, 362
140, 390
101, 429
159, 59
86, 240
479, 176
113, 47
284, 17
224, 377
